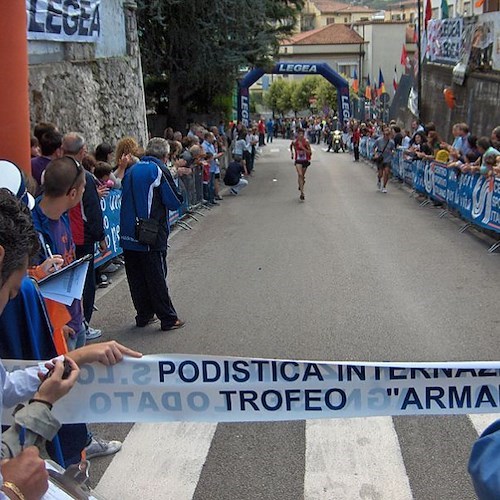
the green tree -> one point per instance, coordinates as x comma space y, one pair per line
191, 53
304, 91
279, 96
326, 94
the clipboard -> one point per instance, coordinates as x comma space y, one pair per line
69, 484
68, 268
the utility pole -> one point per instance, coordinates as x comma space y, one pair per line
419, 62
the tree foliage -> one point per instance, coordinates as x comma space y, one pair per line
196, 48
286, 95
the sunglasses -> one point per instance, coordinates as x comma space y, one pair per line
79, 171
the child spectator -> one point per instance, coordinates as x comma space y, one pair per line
35, 147
208, 178
103, 172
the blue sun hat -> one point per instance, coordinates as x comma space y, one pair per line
12, 178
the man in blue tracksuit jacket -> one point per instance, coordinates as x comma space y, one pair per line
149, 192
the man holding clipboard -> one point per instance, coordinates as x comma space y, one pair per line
64, 184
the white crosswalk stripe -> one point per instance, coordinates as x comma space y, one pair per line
165, 458
480, 422
354, 458
345, 459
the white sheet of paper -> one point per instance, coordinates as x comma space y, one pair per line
69, 285
63, 299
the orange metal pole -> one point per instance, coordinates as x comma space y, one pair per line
14, 93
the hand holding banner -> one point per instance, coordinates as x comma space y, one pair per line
176, 387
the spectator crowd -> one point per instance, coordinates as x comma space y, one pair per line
65, 223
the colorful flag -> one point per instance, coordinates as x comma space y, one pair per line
368, 89
355, 83
381, 83
374, 89
428, 13
444, 9
405, 61
395, 79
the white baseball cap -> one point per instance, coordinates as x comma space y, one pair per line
12, 178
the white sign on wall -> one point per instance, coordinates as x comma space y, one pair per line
444, 40
64, 20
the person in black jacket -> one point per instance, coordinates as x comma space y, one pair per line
86, 224
233, 176
149, 193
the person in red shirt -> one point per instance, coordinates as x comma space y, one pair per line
261, 127
300, 150
356, 137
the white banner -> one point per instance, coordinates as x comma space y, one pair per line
444, 40
64, 20
196, 388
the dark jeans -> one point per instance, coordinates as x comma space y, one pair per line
247, 156
88, 297
211, 188
356, 152
147, 280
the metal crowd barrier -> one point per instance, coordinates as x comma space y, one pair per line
191, 187
473, 197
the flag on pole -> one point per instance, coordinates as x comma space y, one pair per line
428, 13
355, 83
444, 9
405, 61
381, 83
368, 89
395, 79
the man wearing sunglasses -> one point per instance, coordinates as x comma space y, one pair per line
86, 226
64, 185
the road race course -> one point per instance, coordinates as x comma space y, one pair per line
349, 274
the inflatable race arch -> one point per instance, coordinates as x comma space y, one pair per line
295, 68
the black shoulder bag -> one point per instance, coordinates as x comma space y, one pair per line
146, 230
379, 159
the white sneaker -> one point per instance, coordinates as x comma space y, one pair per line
379, 185
112, 268
93, 333
99, 447
384, 190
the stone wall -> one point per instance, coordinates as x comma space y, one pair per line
80, 90
476, 101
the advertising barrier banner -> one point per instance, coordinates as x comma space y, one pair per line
110, 206
197, 388
476, 197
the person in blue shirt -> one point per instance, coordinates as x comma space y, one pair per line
148, 193
269, 130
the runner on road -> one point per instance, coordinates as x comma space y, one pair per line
384, 149
300, 150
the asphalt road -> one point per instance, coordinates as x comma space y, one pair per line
349, 274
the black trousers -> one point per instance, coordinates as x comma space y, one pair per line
356, 152
147, 280
88, 297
